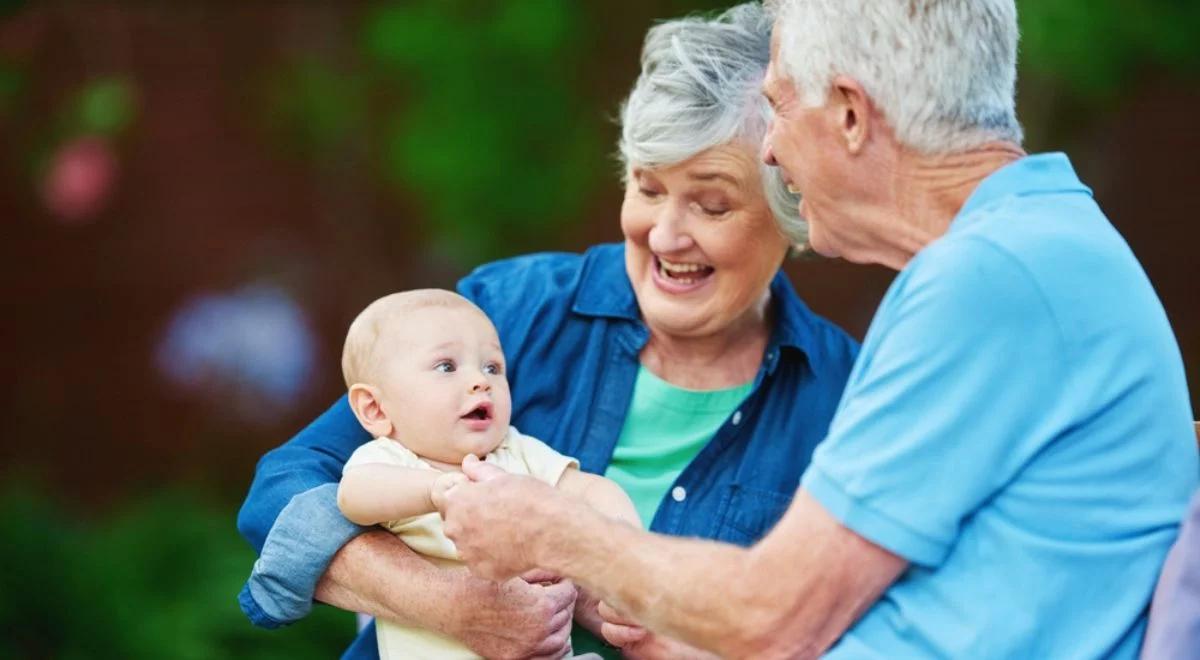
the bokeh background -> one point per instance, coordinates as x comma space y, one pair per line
197, 197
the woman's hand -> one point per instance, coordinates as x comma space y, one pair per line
378, 574
516, 619
495, 519
638, 643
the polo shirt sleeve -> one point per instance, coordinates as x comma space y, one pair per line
953, 393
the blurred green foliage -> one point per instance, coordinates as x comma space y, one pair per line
104, 106
474, 111
12, 81
1096, 47
156, 579
492, 135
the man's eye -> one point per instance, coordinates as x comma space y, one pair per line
649, 193
445, 366
493, 369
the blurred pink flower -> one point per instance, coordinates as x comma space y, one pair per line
80, 180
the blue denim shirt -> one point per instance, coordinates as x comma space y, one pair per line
571, 332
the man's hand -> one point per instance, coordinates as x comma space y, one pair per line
516, 619
495, 519
637, 643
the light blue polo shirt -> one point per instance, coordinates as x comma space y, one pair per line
1017, 426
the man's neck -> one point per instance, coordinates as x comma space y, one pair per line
930, 190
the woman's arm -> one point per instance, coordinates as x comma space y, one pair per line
378, 575
314, 457
291, 517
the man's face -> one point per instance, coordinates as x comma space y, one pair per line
443, 384
804, 143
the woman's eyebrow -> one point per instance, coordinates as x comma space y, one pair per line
709, 176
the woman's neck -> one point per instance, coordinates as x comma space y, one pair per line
711, 362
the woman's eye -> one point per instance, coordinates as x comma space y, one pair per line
445, 366
649, 193
493, 369
714, 211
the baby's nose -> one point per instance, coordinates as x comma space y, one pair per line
481, 385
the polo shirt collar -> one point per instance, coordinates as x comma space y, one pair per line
1041, 173
605, 291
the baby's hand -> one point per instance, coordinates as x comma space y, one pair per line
443, 484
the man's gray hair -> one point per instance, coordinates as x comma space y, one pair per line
701, 87
943, 72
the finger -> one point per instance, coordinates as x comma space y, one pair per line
556, 643
619, 635
562, 594
477, 470
607, 613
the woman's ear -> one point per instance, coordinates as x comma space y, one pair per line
365, 402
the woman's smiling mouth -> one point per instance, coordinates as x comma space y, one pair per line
680, 277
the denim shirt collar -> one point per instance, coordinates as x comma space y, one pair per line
605, 291
1040, 173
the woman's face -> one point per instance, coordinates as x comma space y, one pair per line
701, 245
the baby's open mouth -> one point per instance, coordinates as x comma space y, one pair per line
482, 411
684, 273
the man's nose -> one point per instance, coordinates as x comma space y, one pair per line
768, 154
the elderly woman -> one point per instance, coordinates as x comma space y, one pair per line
681, 364
1013, 452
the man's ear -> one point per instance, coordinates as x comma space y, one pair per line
853, 112
364, 401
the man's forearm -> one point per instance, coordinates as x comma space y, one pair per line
377, 574
792, 595
677, 587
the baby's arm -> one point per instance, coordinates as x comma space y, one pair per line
602, 494
373, 493
608, 498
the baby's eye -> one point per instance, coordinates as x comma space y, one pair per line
493, 368
445, 366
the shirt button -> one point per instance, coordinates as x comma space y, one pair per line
737, 417
678, 494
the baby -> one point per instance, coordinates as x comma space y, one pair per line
426, 377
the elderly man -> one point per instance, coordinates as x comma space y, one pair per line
1011, 458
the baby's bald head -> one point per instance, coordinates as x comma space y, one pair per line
385, 320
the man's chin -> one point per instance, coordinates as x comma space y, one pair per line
818, 244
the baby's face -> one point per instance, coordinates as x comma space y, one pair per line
443, 385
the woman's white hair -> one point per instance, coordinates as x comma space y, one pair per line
701, 87
943, 72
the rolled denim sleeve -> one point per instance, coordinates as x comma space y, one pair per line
291, 517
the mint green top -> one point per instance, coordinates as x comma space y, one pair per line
664, 430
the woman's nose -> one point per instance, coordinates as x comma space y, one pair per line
668, 234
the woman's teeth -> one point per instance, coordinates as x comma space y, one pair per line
683, 273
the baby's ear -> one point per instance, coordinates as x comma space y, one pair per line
364, 401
